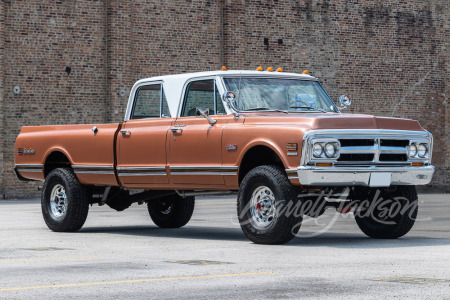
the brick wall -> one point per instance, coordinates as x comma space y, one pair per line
2, 86
392, 57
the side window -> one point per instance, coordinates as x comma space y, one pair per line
220, 108
201, 93
165, 113
150, 102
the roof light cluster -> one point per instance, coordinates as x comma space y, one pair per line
269, 69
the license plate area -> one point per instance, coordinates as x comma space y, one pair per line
380, 179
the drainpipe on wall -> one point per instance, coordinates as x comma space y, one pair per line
107, 85
222, 33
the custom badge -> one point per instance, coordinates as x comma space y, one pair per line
22, 151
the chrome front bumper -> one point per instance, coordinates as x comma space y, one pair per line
361, 176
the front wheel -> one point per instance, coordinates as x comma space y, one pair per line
171, 211
388, 213
64, 202
268, 207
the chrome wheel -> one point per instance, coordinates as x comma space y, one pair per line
262, 207
58, 201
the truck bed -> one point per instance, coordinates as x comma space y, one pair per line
88, 151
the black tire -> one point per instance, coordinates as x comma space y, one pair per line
72, 213
172, 211
284, 221
393, 216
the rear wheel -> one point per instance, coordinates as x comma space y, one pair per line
64, 202
268, 207
171, 211
389, 213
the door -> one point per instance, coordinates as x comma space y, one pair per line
142, 158
195, 144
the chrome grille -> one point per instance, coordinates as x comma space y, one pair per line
373, 150
367, 147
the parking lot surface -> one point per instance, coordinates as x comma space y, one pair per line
124, 255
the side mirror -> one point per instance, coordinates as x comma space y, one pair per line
230, 99
344, 101
204, 112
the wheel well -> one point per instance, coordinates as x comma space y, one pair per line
55, 160
257, 156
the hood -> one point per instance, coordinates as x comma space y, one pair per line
332, 121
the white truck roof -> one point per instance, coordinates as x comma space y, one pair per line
174, 84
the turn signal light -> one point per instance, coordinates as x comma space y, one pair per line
292, 146
305, 72
417, 164
279, 70
324, 164
269, 69
259, 69
224, 68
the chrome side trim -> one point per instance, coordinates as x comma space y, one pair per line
203, 167
204, 173
204, 170
94, 172
143, 174
28, 166
141, 169
93, 169
99, 167
28, 170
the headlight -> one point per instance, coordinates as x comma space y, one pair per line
412, 150
330, 150
317, 150
422, 150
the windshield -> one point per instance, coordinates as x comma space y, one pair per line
279, 94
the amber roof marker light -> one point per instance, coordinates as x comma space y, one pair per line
305, 72
280, 70
270, 69
224, 68
259, 69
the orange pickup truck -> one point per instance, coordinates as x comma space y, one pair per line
275, 138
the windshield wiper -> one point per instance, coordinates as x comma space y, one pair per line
265, 108
308, 107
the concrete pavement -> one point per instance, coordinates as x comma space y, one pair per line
123, 255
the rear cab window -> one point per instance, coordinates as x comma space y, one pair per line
150, 102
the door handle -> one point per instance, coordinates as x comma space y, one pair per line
176, 130
125, 132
